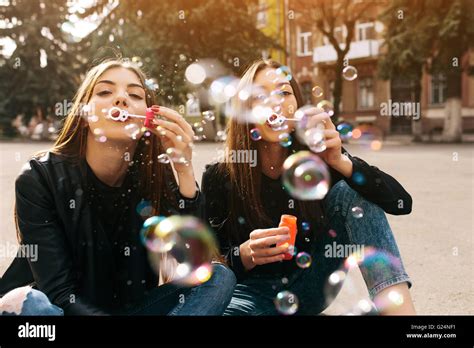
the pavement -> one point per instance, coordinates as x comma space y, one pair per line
435, 240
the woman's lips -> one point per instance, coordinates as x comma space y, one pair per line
275, 122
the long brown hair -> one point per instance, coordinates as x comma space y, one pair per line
245, 199
72, 139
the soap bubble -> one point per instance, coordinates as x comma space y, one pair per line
150, 237
223, 88
284, 71
163, 158
138, 61
327, 106
286, 303
375, 265
309, 132
198, 128
317, 91
303, 260
152, 84
144, 209
195, 74
208, 115
188, 250
132, 130
176, 155
345, 130
221, 136
285, 140
99, 135
349, 73
357, 212
255, 134
315, 139
305, 176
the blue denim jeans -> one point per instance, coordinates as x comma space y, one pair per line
255, 295
36, 303
209, 298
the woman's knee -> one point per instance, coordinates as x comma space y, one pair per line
224, 276
345, 199
12, 302
27, 301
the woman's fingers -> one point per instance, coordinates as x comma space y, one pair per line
268, 241
331, 134
265, 260
323, 118
175, 128
172, 115
256, 234
270, 251
173, 137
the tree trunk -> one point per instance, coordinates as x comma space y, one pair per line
417, 125
337, 93
452, 131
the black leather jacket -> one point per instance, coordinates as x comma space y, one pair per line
73, 266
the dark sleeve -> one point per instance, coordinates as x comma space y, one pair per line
376, 186
39, 226
181, 205
215, 213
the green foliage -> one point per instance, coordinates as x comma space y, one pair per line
426, 34
168, 35
25, 85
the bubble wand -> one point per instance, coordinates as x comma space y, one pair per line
117, 114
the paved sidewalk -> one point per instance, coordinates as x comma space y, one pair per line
436, 240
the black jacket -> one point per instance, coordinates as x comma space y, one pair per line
74, 267
370, 182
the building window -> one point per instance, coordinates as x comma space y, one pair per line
438, 89
365, 31
366, 92
306, 91
303, 44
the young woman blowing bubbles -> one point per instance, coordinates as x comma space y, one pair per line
244, 205
77, 203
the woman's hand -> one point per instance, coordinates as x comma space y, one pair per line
175, 132
261, 248
333, 154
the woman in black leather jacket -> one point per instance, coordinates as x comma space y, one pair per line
77, 204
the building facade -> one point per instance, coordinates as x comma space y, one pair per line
312, 58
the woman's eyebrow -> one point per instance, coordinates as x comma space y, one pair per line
281, 84
113, 83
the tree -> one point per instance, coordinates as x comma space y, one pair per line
433, 36
43, 69
409, 31
326, 15
168, 35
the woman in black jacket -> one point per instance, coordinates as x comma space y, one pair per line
77, 203
245, 201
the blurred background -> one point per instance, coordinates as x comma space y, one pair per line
412, 80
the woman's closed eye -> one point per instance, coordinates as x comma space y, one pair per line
283, 93
103, 93
136, 96
133, 95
